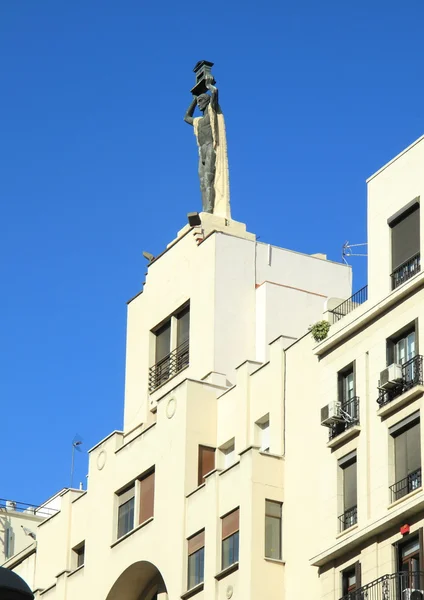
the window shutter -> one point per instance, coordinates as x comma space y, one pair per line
196, 542
358, 575
230, 523
206, 462
405, 236
125, 496
147, 497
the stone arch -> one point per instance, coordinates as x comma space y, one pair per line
141, 581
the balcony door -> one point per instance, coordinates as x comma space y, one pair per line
404, 348
409, 564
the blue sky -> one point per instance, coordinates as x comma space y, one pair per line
97, 165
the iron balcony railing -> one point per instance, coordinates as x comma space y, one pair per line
11, 506
407, 585
350, 304
350, 413
406, 270
169, 366
348, 518
412, 375
406, 485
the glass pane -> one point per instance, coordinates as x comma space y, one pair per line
401, 466
348, 391
230, 550
163, 341
273, 537
273, 509
410, 548
196, 568
413, 449
183, 327
400, 352
349, 486
126, 517
410, 346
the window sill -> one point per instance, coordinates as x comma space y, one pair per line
401, 401
278, 561
343, 437
228, 468
405, 497
227, 571
346, 531
127, 535
193, 591
76, 570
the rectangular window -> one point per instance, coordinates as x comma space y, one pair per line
196, 559
206, 463
349, 477
228, 454
78, 555
405, 231
351, 579
147, 497
347, 396
273, 530
263, 433
407, 448
230, 538
126, 511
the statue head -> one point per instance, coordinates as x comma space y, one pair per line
203, 101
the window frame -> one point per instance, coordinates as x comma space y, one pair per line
279, 519
397, 430
233, 538
136, 487
355, 568
264, 439
397, 219
78, 551
396, 337
200, 551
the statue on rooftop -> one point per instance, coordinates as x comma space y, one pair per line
212, 143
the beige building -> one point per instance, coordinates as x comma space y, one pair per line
254, 462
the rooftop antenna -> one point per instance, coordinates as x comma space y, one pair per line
76, 443
347, 251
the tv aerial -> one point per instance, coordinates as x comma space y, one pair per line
76, 445
347, 251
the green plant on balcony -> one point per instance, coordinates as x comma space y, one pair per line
320, 330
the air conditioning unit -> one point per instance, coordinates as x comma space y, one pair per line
390, 377
331, 414
412, 594
10, 505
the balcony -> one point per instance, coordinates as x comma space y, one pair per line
350, 413
406, 485
348, 518
350, 304
406, 270
412, 375
396, 586
11, 506
169, 366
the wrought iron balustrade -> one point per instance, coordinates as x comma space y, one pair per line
412, 375
350, 304
169, 366
405, 271
406, 485
396, 586
348, 518
350, 412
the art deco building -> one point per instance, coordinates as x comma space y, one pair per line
255, 462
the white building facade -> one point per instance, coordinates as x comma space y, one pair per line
224, 483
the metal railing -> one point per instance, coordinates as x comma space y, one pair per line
11, 506
412, 375
350, 304
348, 518
405, 271
406, 485
350, 412
396, 586
169, 366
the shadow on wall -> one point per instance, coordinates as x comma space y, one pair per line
141, 581
7, 537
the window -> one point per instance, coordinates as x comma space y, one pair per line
401, 346
273, 531
196, 559
263, 433
230, 538
206, 463
228, 454
126, 511
349, 402
405, 230
351, 579
407, 450
409, 556
348, 471
171, 351
9, 542
136, 503
147, 497
78, 555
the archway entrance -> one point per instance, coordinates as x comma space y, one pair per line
141, 581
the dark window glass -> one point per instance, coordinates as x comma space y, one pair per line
405, 237
349, 581
407, 452
230, 550
163, 341
196, 567
273, 529
80, 555
126, 517
183, 326
349, 486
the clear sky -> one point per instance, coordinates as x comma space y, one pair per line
97, 165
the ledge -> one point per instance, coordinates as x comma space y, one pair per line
47, 589
76, 570
127, 535
343, 437
405, 497
229, 468
193, 591
277, 561
227, 571
346, 531
148, 428
411, 505
196, 490
401, 401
